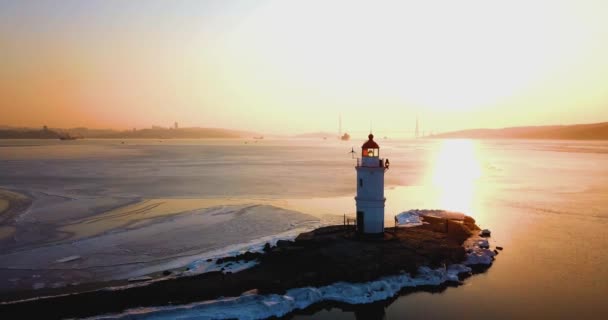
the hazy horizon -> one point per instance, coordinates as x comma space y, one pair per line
407, 132
294, 67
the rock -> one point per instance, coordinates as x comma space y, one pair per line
166, 273
485, 233
283, 243
209, 260
248, 256
495, 251
499, 248
310, 275
266, 247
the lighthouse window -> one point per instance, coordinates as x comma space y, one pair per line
360, 182
372, 152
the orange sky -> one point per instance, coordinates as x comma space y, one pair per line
294, 66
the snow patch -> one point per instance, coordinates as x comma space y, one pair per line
67, 259
408, 219
412, 218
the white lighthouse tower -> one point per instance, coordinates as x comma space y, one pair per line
370, 189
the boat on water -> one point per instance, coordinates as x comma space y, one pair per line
345, 137
67, 136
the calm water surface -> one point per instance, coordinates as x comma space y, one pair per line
546, 202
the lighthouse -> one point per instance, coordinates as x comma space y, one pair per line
370, 189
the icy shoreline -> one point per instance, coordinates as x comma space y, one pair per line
253, 306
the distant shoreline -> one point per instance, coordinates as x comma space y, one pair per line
125, 138
594, 131
153, 133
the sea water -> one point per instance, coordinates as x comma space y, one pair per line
545, 202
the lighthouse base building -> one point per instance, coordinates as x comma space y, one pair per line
370, 189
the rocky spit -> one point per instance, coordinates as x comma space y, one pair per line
316, 259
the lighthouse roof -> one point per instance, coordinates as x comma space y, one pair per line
370, 144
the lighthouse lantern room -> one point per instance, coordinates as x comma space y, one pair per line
370, 189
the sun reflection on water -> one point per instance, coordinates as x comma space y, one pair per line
455, 172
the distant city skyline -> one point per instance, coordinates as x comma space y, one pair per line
292, 67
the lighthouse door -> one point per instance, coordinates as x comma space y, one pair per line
360, 221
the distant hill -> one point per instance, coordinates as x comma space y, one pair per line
28, 134
182, 133
153, 133
594, 131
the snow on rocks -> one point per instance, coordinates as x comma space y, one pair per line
409, 218
478, 252
455, 270
210, 265
484, 244
254, 306
480, 257
412, 218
